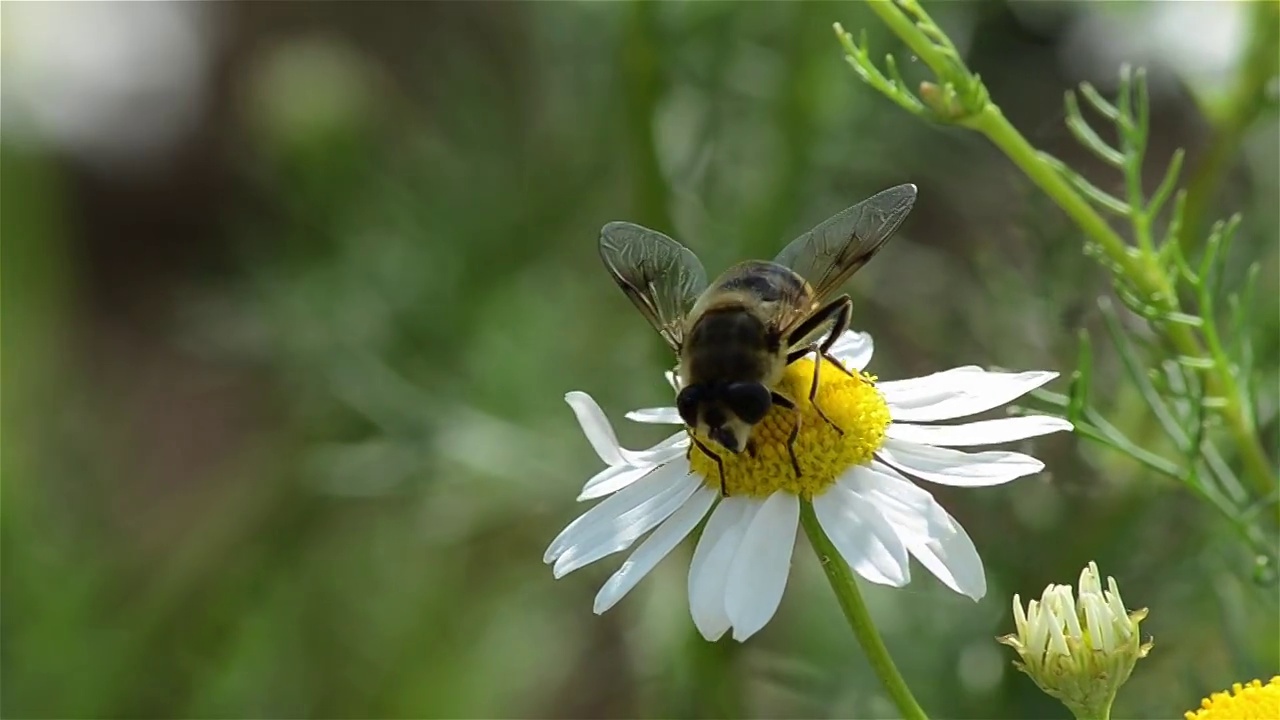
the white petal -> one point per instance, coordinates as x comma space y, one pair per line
616, 516
611, 479
595, 426
957, 392
654, 548
709, 569
983, 432
854, 349
758, 574
931, 535
865, 539
657, 416
671, 447
605, 442
953, 467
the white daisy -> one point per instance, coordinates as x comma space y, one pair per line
873, 514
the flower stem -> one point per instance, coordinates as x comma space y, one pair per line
855, 611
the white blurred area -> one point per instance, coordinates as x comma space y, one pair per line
113, 84
1201, 43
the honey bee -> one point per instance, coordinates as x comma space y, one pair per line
734, 338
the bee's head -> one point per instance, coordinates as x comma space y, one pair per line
726, 412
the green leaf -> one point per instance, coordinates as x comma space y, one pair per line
1165, 188
1181, 318
1143, 118
1242, 305
1175, 223
892, 66
1213, 262
1197, 363
1136, 370
1135, 304
1099, 103
1081, 378
1086, 136
1124, 123
1099, 196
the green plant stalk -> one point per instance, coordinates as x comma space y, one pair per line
1144, 271
1140, 266
855, 611
904, 28
1102, 713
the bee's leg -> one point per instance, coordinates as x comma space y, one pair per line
724, 492
813, 389
786, 404
834, 318
844, 313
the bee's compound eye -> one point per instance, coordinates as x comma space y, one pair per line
687, 405
749, 401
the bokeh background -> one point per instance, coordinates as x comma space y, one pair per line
293, 291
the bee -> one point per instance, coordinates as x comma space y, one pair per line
734, 338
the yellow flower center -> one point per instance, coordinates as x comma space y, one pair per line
853, 404
1254, 701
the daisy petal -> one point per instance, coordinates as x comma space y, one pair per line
667, 450
854, 349
654, 548
931, 535
611, 480
621, 517
865, 539
605, 442
952, 467
709, 569
595, 426
657, 416
638, 464
758, 573
983, 432
957, 392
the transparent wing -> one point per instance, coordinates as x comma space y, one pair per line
833, 251
662, 277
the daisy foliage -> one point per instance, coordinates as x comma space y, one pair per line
860, 453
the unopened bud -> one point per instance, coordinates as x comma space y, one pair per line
1078, 649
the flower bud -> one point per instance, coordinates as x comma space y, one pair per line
1078, 649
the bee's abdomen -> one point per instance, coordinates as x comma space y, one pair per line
728, 344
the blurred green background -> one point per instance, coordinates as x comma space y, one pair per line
293, 291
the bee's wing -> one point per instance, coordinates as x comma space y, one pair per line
662, 277
829, 254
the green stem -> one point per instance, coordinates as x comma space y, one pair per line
855, 611
992, 123
1144, 271
906, 29
1140, 266
1082, 713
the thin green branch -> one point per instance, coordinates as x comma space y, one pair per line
960, 98
855, 611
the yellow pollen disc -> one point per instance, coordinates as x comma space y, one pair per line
852, 403
1253, 701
